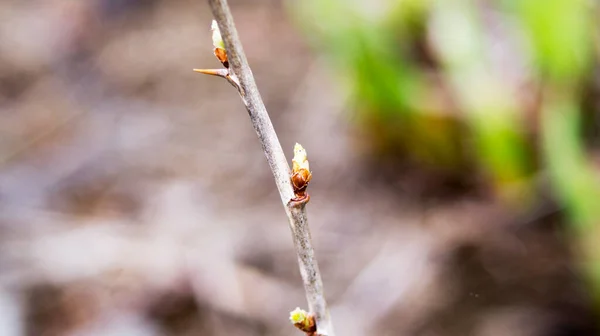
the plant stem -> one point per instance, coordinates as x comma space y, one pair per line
239, 69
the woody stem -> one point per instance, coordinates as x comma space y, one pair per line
239, 68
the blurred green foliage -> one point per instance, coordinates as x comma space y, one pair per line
491, 88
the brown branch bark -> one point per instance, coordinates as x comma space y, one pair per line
240, 72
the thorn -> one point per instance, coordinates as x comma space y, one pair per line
214, 72
224, 73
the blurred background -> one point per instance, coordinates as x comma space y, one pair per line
455, 149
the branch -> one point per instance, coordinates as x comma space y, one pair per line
239, 74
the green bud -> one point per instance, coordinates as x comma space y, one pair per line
298, 316
216, 36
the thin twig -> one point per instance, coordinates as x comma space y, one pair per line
241, 73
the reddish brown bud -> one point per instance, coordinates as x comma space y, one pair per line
301, 174
220, 51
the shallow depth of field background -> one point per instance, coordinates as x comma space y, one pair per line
455, 150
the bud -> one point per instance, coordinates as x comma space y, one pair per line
301, 175
300, 160
216, 35
298, 315
219, 45
302, 320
